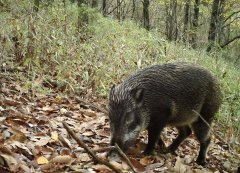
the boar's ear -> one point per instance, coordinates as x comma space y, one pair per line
138, 95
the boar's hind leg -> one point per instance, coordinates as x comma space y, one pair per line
184, 132
201, 130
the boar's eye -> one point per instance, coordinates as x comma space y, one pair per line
129, 118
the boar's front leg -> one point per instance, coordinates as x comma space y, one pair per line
153, 135
157, 123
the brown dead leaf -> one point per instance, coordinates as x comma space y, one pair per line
45, 150
137, 164
9, 102
88, 133
116, 164
41, 141
20, 137
11, 161
103, 132
180, 167
48, 109
62, 159
65, 142
146, 160
84, 157
90, 113
156, 167
47, 166
23, 148
102, 169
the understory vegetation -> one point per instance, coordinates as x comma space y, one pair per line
48, 52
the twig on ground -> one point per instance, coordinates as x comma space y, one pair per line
151, 167
95, 158
92, 106
213, 132
202, 118
125, 157
103, 149
64, 143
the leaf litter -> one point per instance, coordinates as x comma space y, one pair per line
33, 139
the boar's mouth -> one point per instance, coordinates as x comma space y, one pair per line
123, 146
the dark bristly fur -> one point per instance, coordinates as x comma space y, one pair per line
170, 94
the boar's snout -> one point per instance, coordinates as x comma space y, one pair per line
119, 142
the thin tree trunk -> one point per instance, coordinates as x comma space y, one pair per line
213, 24
133, 8
195, 23
104, 7
221, 19
171, 20
146, 23
94, 3
186, 20
119, 10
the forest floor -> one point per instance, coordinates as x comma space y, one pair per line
33, 138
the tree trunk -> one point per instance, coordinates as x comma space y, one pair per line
195, 23
171, 20
146, 23
119, 10
221, 19
133, 8
94, 3
214, 23
104, 7
186, 20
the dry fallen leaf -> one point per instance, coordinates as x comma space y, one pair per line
11, 102
146, 160
63, 111
116, 164
11, 161
62, 159
42, 160
179, 166
137, 164
41, 141
54, 135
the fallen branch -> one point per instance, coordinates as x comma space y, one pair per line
202, 118
103, 149
125, 157
95, 158
92, 106
213, 132
64, 143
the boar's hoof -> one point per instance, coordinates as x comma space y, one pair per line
148, 153
201, 162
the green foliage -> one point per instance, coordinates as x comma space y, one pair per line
54, 49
